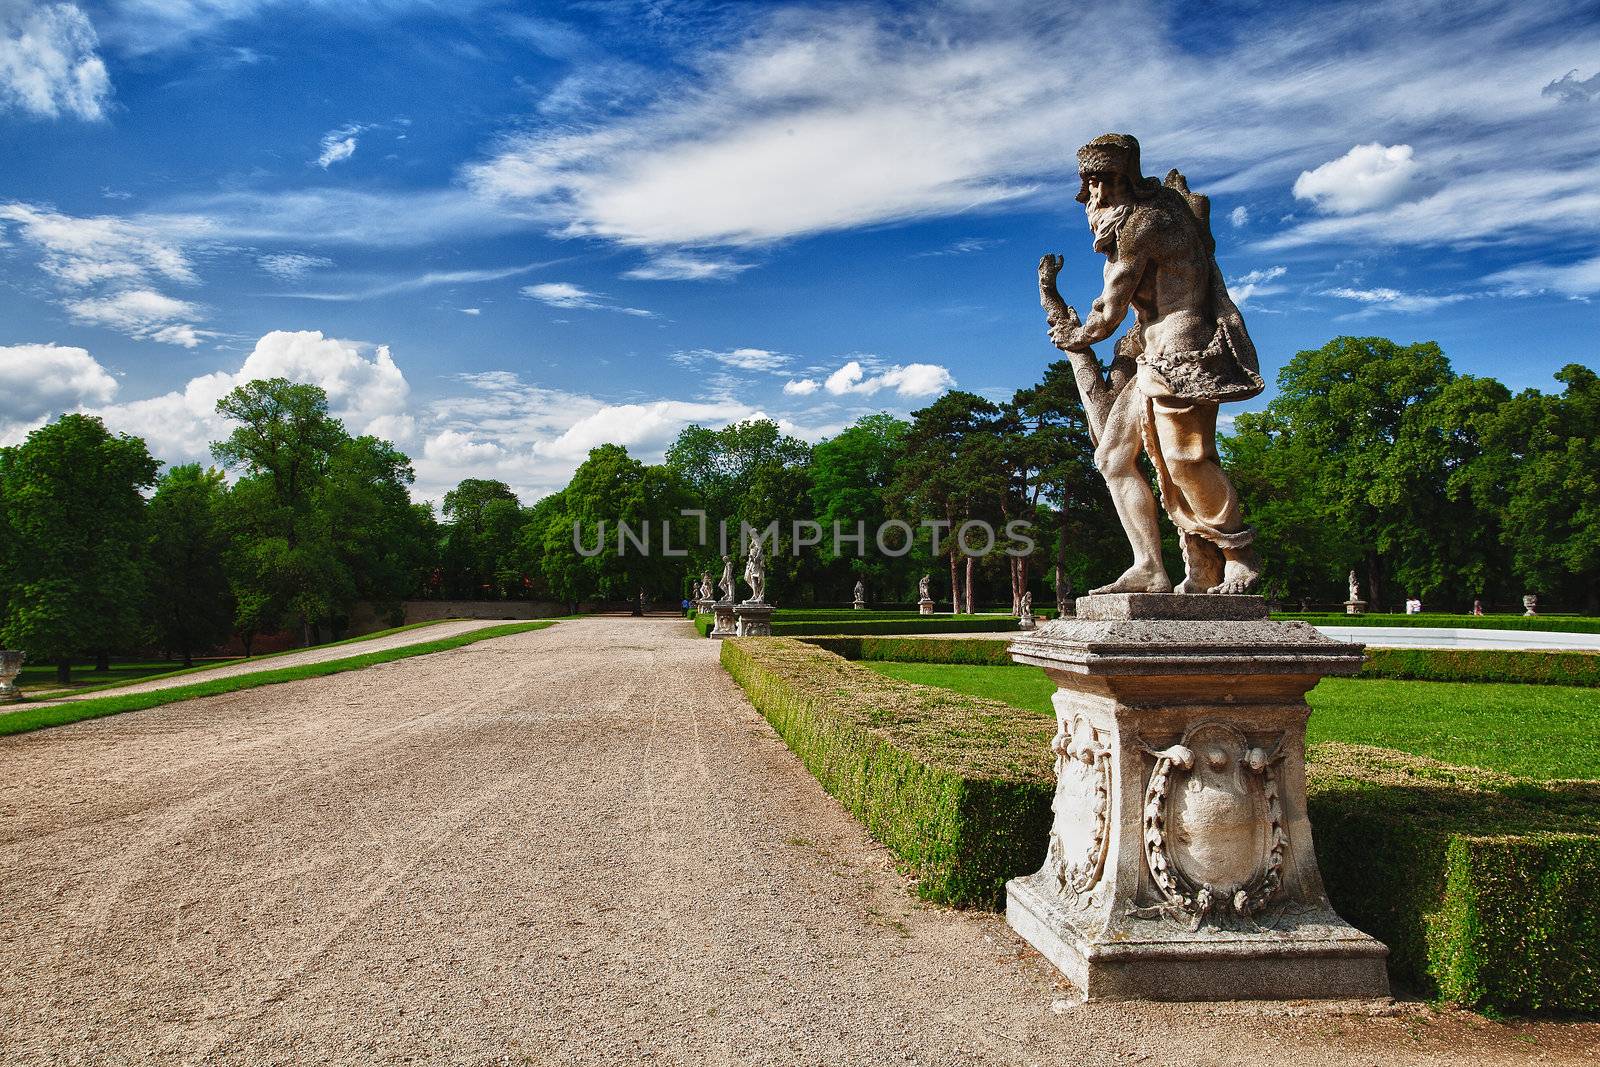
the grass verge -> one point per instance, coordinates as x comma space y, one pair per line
1577, 624
28, 719
156, 676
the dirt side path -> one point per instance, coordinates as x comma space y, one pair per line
574, 846
421, 634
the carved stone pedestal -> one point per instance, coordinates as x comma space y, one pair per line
1355, 607
755, 620
860, 605
705, 607
925, 607
10, 667
726, 624
1180, 864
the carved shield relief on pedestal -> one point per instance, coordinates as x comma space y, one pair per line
1080, 833
1213, 824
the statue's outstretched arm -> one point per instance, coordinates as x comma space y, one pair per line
1122, 281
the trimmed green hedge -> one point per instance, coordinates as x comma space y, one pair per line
1422, 664
1485, 888
914, 624
1484, 665
1575, 624
703, 624
975, 651
958, 788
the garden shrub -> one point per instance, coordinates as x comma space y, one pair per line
704, 623
1484, 665
972, 651
958, 788
1486, 888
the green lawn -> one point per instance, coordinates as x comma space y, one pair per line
25, 719
1533, 731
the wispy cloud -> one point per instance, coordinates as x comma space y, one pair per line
1255, 284
1393, 300
1578, 280
964, 247
684, 266
292, 266
749, 359
425, 281
567, 295
339, 145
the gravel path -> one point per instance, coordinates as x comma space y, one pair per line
323, 654
575, 846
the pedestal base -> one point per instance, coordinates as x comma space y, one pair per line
1355, 607
1179, 864
860, 605
755, 620
705, 607
727, 623
1026, 622
10, 694
1308, 960
925, 607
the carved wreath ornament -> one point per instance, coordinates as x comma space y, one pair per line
1081, 831
1213, 826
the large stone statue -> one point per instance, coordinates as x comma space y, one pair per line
729, 591
755, 573
1186, 352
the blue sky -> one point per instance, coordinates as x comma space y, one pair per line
501, 233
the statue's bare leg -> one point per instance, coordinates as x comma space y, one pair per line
1118, 460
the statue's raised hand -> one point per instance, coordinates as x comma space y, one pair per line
1049, 269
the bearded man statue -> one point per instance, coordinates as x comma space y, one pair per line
1186, 352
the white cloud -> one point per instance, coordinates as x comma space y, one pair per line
1393, 300
339, 144
1578, 280
567, 295
1368, 176
963, 247
365, 389
911, 380
1239, 216
423, 281
644, 429
1256, 283
292, 266
471, 311
752, 359
801, 387
682, 266
38, 381
49, 64
141, 313
103, 248
452, 448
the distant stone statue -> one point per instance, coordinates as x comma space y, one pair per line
708, 590
755, 573
1025, 612
1530, 604
729, 591
1355, 605
861, 593
1186, 353
922, 587
1355, 587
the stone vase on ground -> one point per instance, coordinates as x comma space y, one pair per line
10, 667
1179, 864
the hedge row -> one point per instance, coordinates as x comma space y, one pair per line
1576, 624
957, 787
1484, 665
1422, 664
973, 651
919, 624
1486, 888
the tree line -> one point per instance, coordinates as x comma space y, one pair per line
1372, 456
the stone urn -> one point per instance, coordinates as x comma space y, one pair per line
10, 667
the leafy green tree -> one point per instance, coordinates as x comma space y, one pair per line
75, 518
850, 474
1541, 471
191, 604
954, 470
483, 519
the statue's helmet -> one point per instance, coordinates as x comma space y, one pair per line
1110, 154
